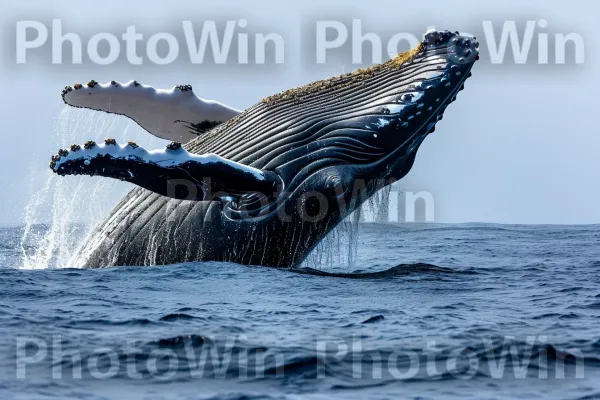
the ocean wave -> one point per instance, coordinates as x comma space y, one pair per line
399, 270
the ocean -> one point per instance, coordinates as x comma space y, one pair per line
425, 311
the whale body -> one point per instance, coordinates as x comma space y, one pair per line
265, 185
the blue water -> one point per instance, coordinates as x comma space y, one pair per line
433, 311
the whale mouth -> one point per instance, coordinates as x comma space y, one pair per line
372, 119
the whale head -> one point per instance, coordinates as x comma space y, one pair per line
359, 131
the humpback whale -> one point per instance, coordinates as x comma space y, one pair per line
262, 186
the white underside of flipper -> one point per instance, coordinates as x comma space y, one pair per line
175, 114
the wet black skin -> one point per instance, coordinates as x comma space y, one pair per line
324, 176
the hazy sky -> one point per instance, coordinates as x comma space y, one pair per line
519, 146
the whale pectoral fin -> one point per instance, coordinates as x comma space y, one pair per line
172, 172
174, 114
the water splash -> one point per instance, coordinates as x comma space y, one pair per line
61, 212
338, 251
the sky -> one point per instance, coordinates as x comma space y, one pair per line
519, 146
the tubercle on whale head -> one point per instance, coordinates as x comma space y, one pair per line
438, 69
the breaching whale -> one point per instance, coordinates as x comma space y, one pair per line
263, 186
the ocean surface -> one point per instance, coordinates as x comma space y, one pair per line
426, 311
